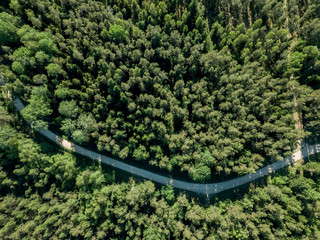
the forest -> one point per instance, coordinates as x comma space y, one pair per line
208, 89
48, 193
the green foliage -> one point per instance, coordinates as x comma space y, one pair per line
24, 56
40, 79
117, 32
207, 159
42, 57
8, 29
47, 44
68, 109
124, 153
141, 153
200, 173
38, 108
68, 126
86, 122
55, 195
54, 70
201, 87
312, 168
79, 136
168, 193
153, 234
18, 68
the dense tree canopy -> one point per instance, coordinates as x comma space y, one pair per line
206, 88
50, 194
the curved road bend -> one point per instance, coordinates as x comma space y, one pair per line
207, 189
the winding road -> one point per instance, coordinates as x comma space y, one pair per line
209, 189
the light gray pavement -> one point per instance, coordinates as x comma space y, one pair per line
208, 189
